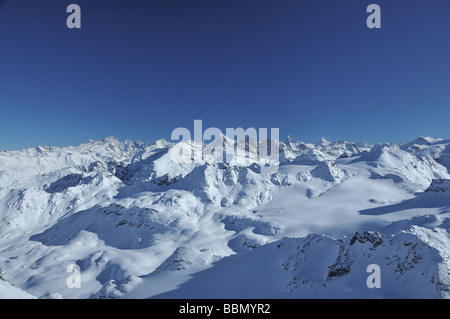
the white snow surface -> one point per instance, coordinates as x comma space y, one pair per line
139, 225
8, 291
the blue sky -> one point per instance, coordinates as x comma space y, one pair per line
138, 69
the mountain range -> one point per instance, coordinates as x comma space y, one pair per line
139, 225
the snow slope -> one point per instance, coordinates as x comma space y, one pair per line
139, 225
8, 291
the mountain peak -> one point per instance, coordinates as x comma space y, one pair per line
106, 140
43, 149
422, 141
110, 139
161, 143
323, 141
290, 139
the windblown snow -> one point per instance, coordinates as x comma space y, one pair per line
138, 225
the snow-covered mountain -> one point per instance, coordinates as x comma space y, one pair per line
138, 225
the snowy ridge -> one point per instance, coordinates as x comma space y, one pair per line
138, 224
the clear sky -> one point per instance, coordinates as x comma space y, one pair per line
137, 69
